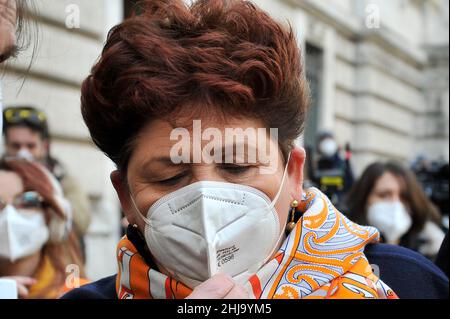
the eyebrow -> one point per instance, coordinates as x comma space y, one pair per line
234, 147
248, 148
9, 53
168, 161
145, 168
161, 159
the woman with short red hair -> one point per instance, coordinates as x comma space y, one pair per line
187, 100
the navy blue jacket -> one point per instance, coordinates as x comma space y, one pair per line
408, 273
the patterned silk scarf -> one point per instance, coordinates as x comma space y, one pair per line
322, 258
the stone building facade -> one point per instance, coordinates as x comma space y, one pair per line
383, 67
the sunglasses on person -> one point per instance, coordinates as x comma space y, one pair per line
19, 115
27, 200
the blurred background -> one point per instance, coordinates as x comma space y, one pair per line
378, 71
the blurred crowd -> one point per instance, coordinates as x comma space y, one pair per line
408, 205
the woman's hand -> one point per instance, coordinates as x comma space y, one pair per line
219, 286
23, 283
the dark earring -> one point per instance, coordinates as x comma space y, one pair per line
136, 233
291, 224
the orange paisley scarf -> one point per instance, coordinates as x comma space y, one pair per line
322, 258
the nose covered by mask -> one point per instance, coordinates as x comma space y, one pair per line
22, 233
391, 218
211, 227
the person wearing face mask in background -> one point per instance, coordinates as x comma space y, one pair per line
34, 250
332, 174
389, 197
26, 135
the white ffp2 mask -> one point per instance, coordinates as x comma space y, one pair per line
22, 233
211, 227
391, 218
328, 147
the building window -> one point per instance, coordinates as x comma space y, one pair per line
314, 71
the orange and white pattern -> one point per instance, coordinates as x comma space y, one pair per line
322, 258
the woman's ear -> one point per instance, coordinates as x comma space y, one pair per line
295, 172
117, 179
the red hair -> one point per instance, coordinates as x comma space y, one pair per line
227, 55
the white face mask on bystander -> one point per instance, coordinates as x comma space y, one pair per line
391, 218
328, 147
22, 232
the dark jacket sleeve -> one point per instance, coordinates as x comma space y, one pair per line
102, 289
409, 274
442, 257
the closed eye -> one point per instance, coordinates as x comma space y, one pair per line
173, 180
235, 169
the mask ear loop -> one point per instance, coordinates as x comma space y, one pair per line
136, 210
275, 199
281, 236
